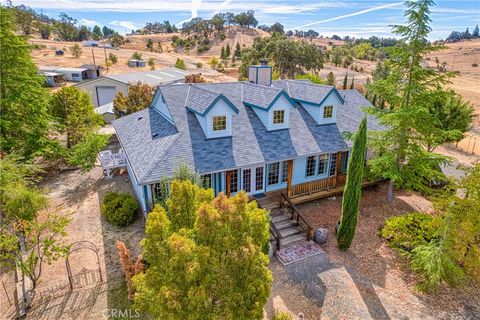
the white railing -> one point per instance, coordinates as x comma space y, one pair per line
111, 160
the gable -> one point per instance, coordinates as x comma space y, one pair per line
160, 105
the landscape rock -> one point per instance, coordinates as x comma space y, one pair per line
320, 235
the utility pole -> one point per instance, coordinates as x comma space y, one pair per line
94, 65
105, 52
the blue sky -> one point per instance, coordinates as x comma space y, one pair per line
355, 18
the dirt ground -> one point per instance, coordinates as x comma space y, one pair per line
370, 278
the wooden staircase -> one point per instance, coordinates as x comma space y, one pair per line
288, 229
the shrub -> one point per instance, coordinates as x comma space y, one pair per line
119, 208
199, 65
474, 64
137, 55
223, 36
113, 58
282, 315
404, 233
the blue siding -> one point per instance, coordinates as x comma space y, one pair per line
137, 189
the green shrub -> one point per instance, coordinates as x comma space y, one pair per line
119, 208
282, 316
223, 36
199, 65
409, 231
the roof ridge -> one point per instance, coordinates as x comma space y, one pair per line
262, 86
186, 96
309, 83
201, 88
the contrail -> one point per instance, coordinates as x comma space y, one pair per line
194, 9
383, 6
222, 6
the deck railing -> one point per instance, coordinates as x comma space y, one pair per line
318, 185
295, 214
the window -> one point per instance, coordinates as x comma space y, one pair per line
75, 75
219, 123
327, 112
285, 171
311, 164
273, 173
247, 180
278, 116
322, 164
234, 181
344, 162
258, 178
333, 164
206, 181
160, 192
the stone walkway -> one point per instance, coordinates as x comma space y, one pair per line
298, 251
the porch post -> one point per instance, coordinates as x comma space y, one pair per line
337, 166
228, 180
289, 178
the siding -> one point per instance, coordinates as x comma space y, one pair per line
137, 189
90, 88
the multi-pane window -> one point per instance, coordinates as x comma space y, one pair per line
344, 162
258, 178
206, 181
278, 116
219, 123
333, 164
247, 180
327, 112
285, 171
322, 164
311, 164
160, 191
234, 181
273, 173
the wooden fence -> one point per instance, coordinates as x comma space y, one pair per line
470, 144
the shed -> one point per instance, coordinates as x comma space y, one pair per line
59, 52
140, 63
134, 63
107, 112
93, 71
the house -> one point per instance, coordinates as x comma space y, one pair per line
258, 136
102, 90
93, 71
54, 79
90, 43
71, 74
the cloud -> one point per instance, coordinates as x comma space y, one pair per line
124, 24
88, 23
222, 6
194, 6
380, 7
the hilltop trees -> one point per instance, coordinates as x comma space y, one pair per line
204, 257
353, 188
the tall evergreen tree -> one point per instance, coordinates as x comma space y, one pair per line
475, 32
331, 79
353, 188
238, 50
24, 117
352, 84
228, 50
407, 89
345, 82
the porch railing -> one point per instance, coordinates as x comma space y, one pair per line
318, 185
295, 214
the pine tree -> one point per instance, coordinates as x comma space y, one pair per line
228, 50
24, 117
352, 85
223, 54
331, 79
403, 158
475, 33
345, 82
353, 188
150, 44
238, 51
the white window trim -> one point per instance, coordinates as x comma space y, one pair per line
316, 176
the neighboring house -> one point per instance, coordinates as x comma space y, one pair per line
90, 43
247, 136
54, 79
93, 71
71, 74
103, 90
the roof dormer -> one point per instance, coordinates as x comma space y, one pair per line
320, 101
272, 105
214, 111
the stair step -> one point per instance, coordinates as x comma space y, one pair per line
280, 217
285, 232
293, 238
285, 224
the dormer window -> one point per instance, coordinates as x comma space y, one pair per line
279, 117
219, 123
328, 112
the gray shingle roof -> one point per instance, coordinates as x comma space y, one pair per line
153, 78
259, 95
152, 157
304, 90
199, 98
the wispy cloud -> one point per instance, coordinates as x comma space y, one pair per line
380, 7
88, 23
222, 7
194, 6
124, 24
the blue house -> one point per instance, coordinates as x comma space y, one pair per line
258, 135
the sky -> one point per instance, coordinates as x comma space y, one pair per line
357, 18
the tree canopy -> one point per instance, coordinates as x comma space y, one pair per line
139, 97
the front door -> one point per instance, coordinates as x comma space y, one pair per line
253, 180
